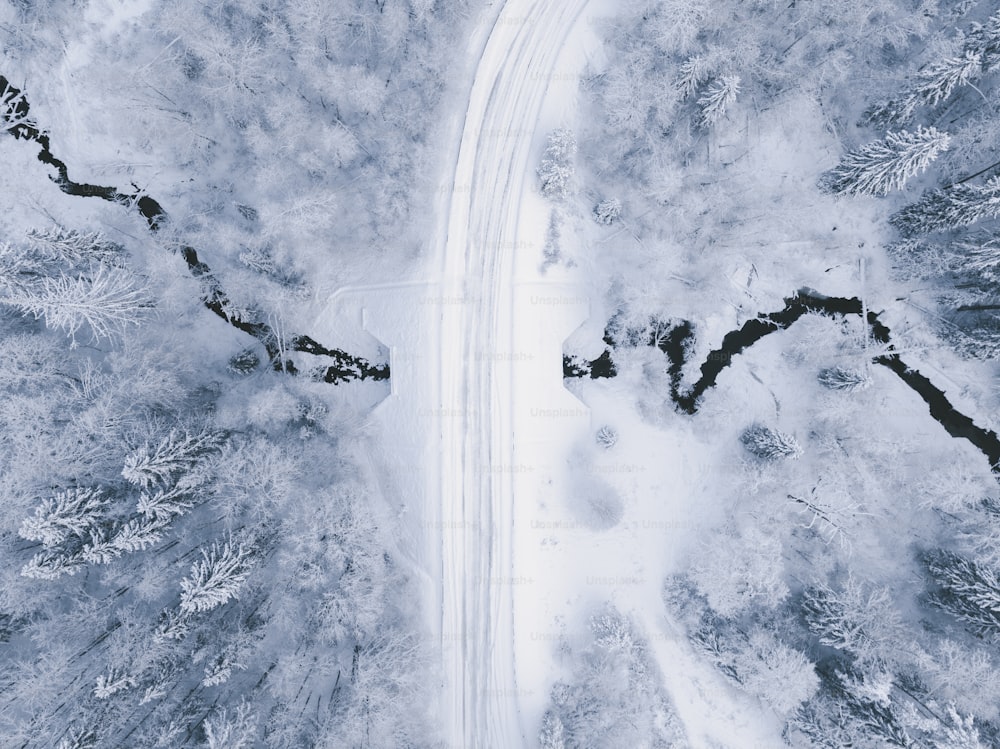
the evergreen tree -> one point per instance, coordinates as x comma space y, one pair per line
885, 165
72, 512
556, 170
720, 94
106, 300
553, 733
949, 208
52, 565
163, 464
607, 437
608, 211
847, 380
984, 40
164, 504
967, 590
770, 444
216, 578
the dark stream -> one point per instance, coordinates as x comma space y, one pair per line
806, 301
345, 367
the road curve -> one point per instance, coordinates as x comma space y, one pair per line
475, 260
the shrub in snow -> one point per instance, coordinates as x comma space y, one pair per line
608, 211
848, 380
556, 170
607, 437
769, 444
245, 362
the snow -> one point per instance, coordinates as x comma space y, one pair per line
493, 455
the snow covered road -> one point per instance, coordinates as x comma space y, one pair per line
480, 361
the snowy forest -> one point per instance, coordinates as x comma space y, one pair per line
785, 217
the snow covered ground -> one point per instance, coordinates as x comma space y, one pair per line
495, 458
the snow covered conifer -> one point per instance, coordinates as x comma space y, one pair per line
693, 72
556, 170
770, 444
938, 80
950, 208
553, 733
882, 166
83, 738
73, 247
847, 380
72, 512
720, 94
608, 211
162, 464
968, 591
984, 39
51, 566
216, 578
164, 505
856, 618
106, 300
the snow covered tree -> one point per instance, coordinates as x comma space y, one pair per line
556, 170
857, 618
75, 248
231, 730
137, 534
933, 85
162, 464
74, 512
106, 301
717, 97
215, 579
694, 71
984, 40
949, 208
553, 733
780, 676
882, 166
967, 590
52, 565
113, 682
769, 444
81, 738
608, 211
738, 569
164, 504
846, 380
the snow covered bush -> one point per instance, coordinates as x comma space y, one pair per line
607, 437
885, 165
557, 170
769, 444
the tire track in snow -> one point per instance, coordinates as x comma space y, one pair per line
494, 160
